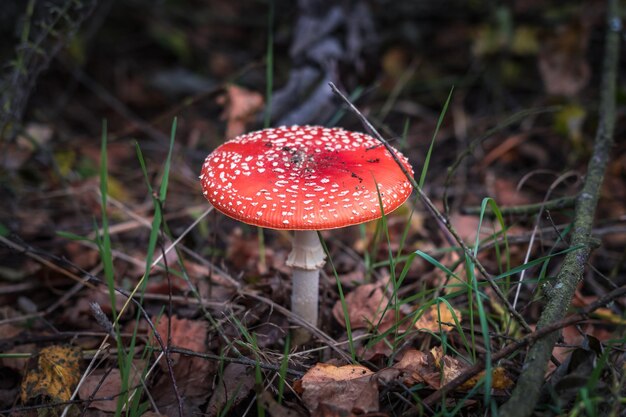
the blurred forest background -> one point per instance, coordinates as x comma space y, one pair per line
523, 80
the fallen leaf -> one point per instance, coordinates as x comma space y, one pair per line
184, 333
466, 226
103, 384
573, 373
366, 305
608, 316
562, 60
57, 372
414, 365
234, 386
435, 316
244, 253
499, 380
569, 122
507, 194
81, 314
193, 375
451, 368
240, 108
274, 408
348, 388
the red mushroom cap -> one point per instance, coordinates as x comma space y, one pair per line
304, 178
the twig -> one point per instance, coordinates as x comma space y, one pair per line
527, 209
526, 393
529, 250
168, 355
299, 321
16, 410
436, 213
241, 360
526, 340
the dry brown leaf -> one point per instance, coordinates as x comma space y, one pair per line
240, 108
452, 367
381, 349
107, 385
348, 388
57, 372
80, 314
437, 315
415, 365
507, 194
244, 253
188, 334
562, 60
466, 226
274, 408
193, 375
366, 305
234, 386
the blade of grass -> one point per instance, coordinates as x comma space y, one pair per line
269, 88
342, 298
282, 373
432, 142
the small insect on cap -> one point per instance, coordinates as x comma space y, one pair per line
304, 178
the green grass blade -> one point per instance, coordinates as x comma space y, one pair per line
282, 373
432, 142
342, 298
168, 163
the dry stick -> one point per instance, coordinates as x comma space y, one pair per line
331, 343
527, 209
436, 213
168, 355
522, 274
530, 338
525, 395
240, 360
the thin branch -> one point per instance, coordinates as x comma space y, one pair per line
526, 393
527, 209
240, 360
479, 366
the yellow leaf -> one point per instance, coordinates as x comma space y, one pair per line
56, 375
437, 315
326, 371
499, 380
65, 161
117, 189
610, 316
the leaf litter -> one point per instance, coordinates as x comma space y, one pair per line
51, 186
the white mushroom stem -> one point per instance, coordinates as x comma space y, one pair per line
306, 259
305, 294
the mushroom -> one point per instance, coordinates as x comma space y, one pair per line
304, 178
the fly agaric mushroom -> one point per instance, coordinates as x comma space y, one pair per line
304, 178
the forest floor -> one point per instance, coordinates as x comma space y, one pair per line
144, 301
